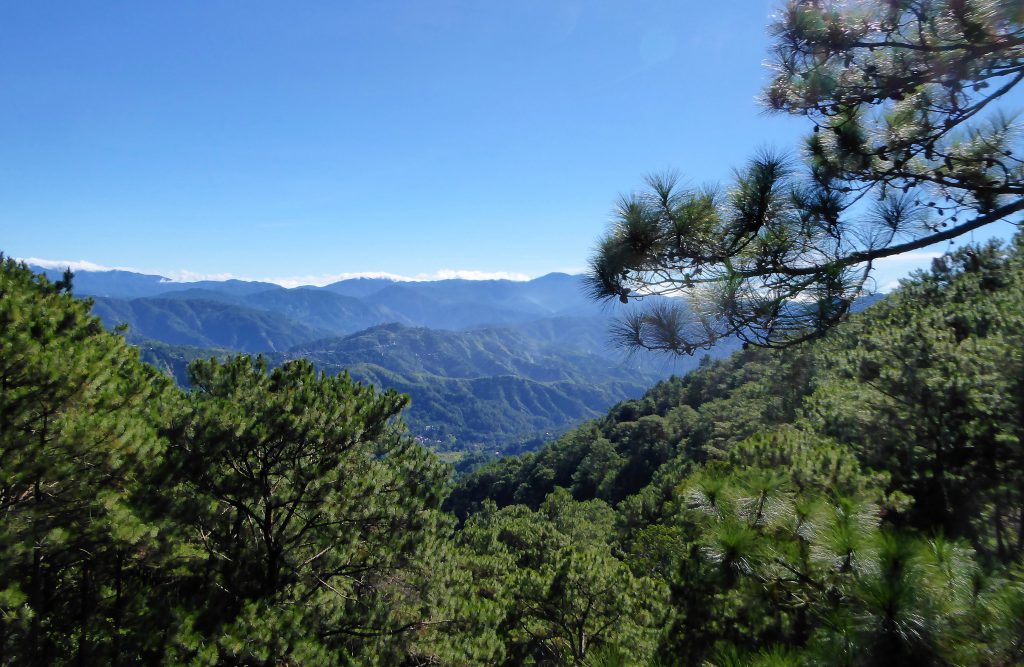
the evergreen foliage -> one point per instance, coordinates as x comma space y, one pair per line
912, 145
853, 501
79, 432
261, 518
858, 500
313, 512
479, 391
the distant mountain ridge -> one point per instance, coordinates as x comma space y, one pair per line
486, 362
342, 307
465, 354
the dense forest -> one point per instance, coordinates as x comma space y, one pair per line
855, 500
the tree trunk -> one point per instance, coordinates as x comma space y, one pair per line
118, 607
36, 593
83, 617
998, 520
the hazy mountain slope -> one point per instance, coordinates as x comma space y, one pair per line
498, 294
351, 305
593, 335
324, 310
485, 362
333, 313
412, 302
132, 285
466, 354
237, 287
482, 388
546, 296
119, 284
202, 294
356, 287
497, 410
204, 323
486, 386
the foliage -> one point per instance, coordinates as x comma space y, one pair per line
929, 388
855, 501
687, 418
481, 390
79, 422
909, 148
261, 518
313, 511
798, 503
558, 590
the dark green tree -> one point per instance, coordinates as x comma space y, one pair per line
79, 421
929, 389
910, 147
554, 591
316, 514
834, 581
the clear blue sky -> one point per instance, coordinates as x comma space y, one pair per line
270, 139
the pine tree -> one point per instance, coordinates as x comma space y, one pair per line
79, 420
316, 513
910, 147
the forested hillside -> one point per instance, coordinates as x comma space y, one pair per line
204, 323
482, 390
237, 473
857, 501
482, 387
854, 501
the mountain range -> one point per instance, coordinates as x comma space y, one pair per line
485, 362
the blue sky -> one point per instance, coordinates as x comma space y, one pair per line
316, 139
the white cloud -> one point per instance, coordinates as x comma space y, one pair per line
319, 280
448, 274
179, 276
889, 270
326, 279
75, 265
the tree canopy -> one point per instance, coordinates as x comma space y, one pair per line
855, 501
910, 146
279, 517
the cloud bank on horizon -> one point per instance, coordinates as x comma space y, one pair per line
887, 276
186, 276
